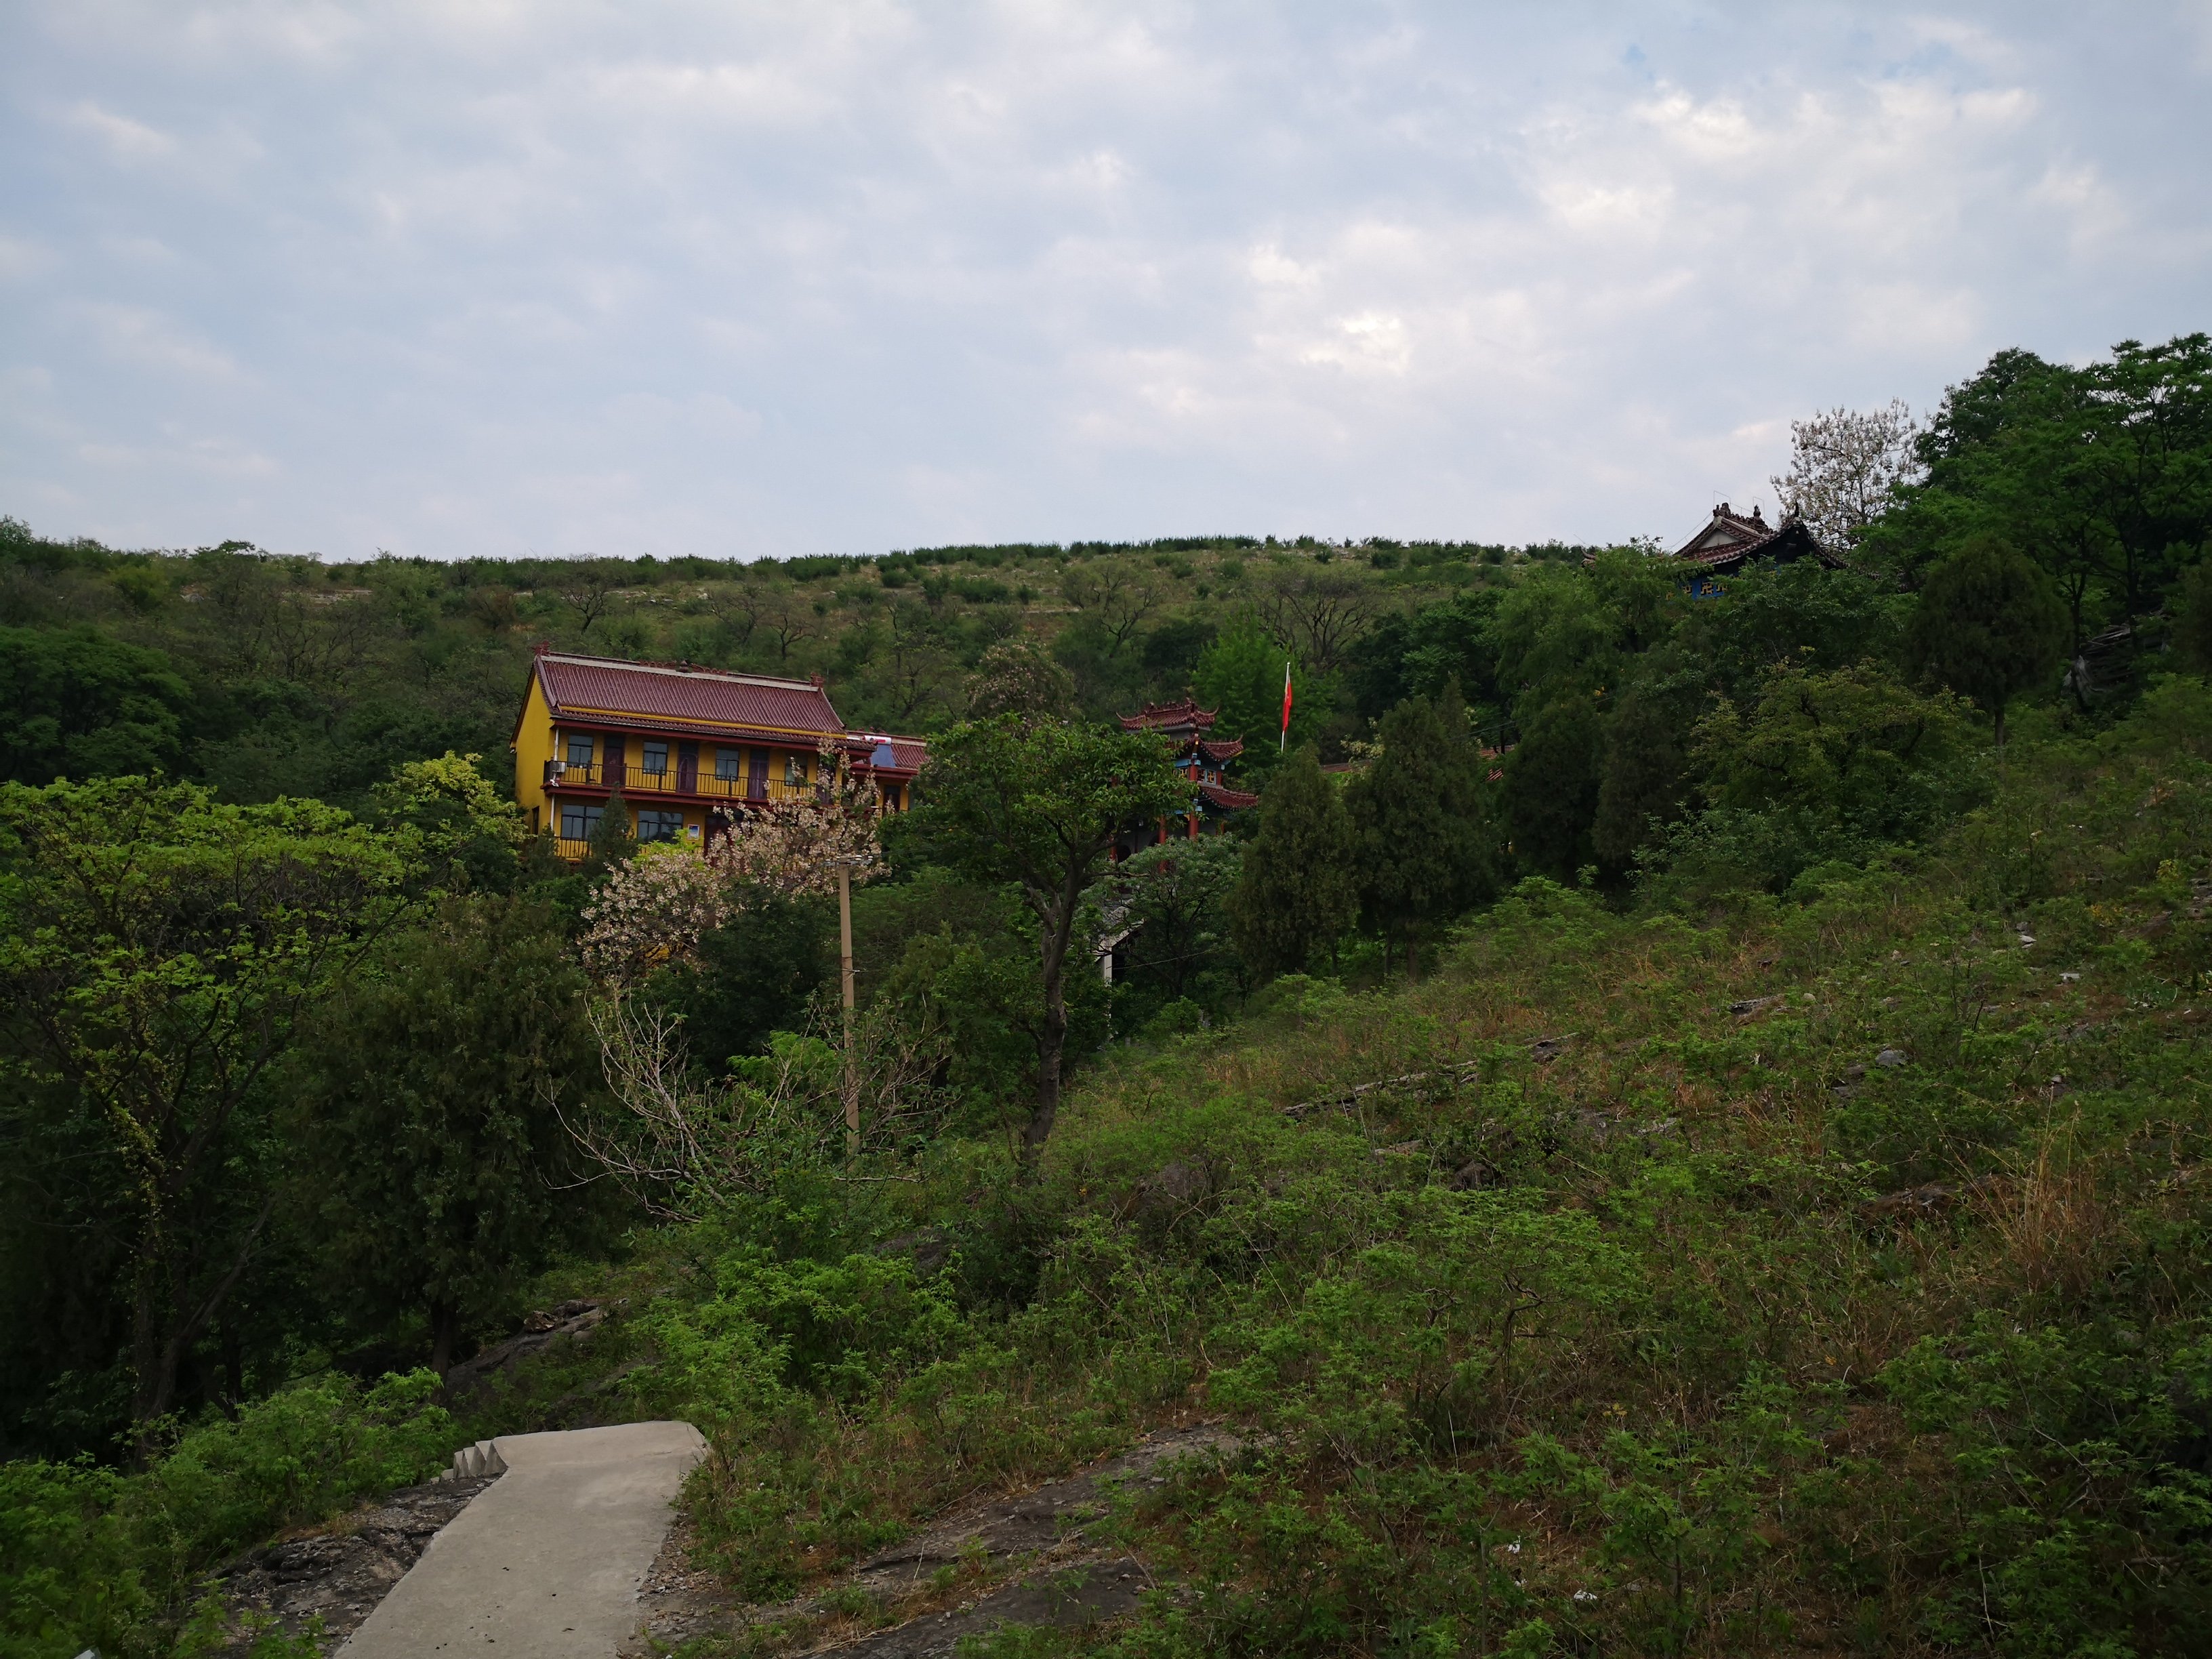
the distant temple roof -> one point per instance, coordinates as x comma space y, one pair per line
1183, 719
1230, 800
1729, 538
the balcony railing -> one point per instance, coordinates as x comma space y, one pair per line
633, 783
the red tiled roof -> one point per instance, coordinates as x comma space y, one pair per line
1229, 800
1167, 716
1228, 750
683, 694
1727, 535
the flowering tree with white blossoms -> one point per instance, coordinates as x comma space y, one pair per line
675, 1134
652, 910
796, 848
1844, 465
655, 909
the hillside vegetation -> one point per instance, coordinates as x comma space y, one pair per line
1697, 1144
1829, 1275
267, 674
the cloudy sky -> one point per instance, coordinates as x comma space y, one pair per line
491, 277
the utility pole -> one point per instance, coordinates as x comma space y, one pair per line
845, 955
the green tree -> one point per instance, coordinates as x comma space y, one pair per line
611, 842
1297, 893
1418, 655
1818, 768
1174, 899
1645, 773
80, 705
157, 949
430, 1093
752, 976
1553, 777
467, 833
1990, 625
1241, 676
2192, 616
1567, 638
1041, 805
2101, 473
1853, 745
968, 994
1421, 822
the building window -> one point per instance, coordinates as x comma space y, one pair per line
654, 824
729, 764
656, 757
580, 749
795, 769
577, 821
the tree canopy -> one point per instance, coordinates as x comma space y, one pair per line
1039, 805
1298, 893
157, 950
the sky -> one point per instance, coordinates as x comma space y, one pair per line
480, 278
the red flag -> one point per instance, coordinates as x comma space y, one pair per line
1283, 741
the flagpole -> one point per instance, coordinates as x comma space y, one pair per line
1282, 742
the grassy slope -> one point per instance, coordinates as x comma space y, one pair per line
1599, 1346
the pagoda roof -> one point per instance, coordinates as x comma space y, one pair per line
1184, 716
1225, 748
1229, 800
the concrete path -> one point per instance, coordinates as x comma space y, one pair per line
546, 1562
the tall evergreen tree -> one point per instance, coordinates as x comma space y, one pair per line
1297, 893
1421, 821
1553, 779
1990, 625
611, 840
1645, 777
2192, 618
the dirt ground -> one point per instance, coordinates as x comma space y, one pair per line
1026, 1559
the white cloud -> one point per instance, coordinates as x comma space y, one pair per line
144, 337
759, 278
23, 257
127, 140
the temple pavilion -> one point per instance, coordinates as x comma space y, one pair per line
1203, 759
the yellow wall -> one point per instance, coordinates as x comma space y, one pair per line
536, 741
533, 747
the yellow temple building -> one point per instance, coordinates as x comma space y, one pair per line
688, 749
